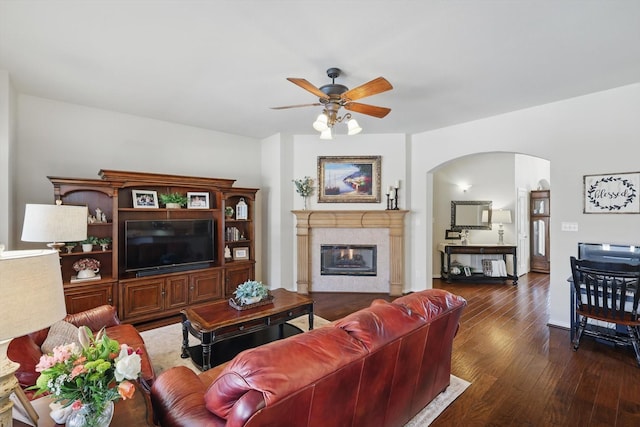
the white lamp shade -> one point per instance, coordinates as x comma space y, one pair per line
54, 223
501, 217
32, 293
321, 123
326, 134
353, 128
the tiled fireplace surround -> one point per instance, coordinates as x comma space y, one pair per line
386, 228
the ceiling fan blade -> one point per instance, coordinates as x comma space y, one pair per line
373, 87
308, 86
296, 106
370, 110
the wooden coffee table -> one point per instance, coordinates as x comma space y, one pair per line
219, 321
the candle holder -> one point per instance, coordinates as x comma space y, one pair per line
395, 200
389, 202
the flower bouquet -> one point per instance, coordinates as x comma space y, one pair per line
90, 377
304, 187
86, 264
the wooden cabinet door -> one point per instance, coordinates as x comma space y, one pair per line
142, 298
87, 297
176, 291
237, 275
206, 286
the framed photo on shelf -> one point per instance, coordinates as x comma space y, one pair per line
354, 179
467, 271
197, 200
144, 199
240, 253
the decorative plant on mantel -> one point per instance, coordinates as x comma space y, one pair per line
304, 187
173, 198
251, 292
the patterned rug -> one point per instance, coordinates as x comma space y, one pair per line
165, 356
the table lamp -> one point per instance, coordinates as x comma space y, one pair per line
32, 299
56, 224
501, 217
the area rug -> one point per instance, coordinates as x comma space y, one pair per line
165, 356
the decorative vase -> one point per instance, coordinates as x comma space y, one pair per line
87, 274
173, 205
87, 247
250, 300
306, 203
87, 416
104, 246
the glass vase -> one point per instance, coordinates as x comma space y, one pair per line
306, 203
88, 416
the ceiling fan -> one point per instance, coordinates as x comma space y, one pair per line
335, 96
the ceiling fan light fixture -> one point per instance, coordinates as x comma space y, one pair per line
353, 128
321, 123
326, 134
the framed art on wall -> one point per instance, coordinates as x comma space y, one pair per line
354, 179
612, 193
144, 198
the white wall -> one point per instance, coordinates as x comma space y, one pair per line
7, 157
61, 139
596, 133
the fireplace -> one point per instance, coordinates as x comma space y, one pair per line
388, 223
348, 260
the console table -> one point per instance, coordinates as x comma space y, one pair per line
446, 250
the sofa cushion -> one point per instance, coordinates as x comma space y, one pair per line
431, 303
377, 325
282, 367
60, 333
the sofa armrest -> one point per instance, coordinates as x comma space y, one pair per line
95, 318
177, 397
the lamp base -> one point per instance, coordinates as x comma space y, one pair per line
9, 384
501, 236
57, 246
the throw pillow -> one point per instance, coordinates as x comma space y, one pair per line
60, 333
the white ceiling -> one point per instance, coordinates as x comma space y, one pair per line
220, 65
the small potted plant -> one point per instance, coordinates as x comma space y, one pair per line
69, 246
104, 242
87, 244
173, 200
228, 212
251, 292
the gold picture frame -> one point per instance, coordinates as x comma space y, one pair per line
349, 179
240, 253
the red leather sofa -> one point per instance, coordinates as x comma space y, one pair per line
376, 367
26, 351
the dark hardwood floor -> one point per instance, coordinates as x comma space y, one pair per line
523, 372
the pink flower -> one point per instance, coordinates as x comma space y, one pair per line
76, 405
126, 390
77, 370
45, 362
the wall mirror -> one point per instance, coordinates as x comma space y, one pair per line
470, 214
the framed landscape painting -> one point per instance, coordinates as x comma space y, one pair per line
354, 179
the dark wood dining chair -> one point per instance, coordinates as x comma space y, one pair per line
607, 291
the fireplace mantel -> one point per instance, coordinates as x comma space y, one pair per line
393, 220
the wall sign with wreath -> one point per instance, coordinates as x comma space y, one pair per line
612, 193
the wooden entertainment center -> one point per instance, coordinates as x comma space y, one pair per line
159, 294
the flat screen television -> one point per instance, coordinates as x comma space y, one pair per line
605, 252
168, 245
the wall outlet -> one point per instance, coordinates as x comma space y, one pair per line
569, 226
